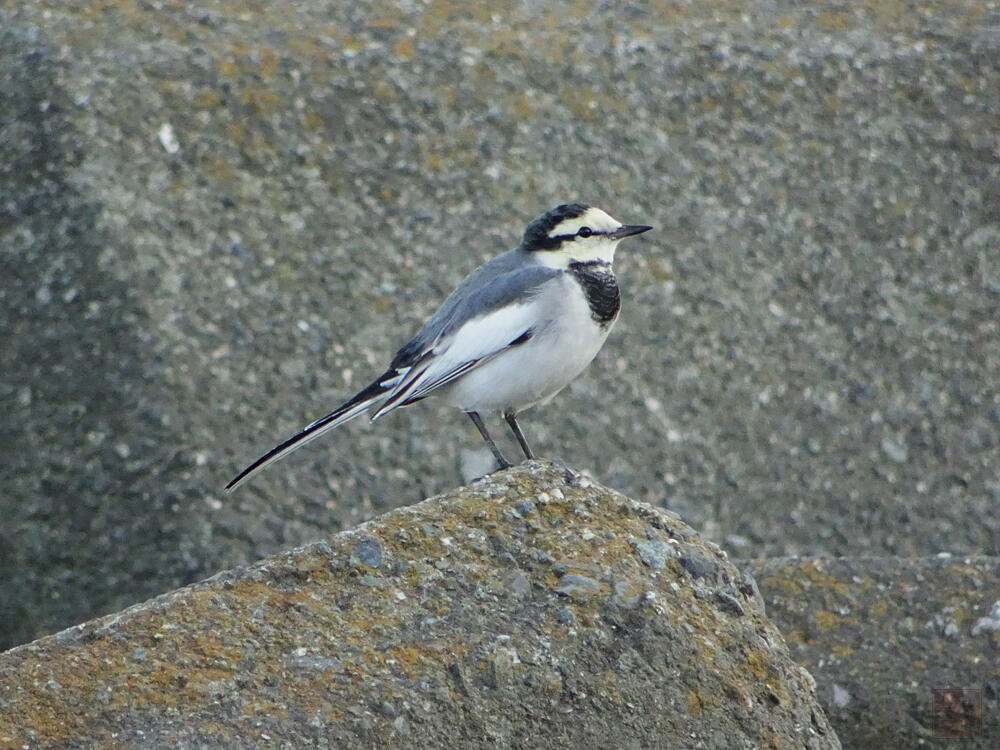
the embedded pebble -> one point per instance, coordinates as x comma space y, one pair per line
729, 603
895, 450
525, 507
697, 565
520, 585
301, 658
990, 624
840, 696
654, 554
576, 585
565, 616
621, 596
369, 551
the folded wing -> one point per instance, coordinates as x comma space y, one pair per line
490, 312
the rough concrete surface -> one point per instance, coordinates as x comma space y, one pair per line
219, 219
887, 639
529, 609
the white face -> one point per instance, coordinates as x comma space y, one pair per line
595, 247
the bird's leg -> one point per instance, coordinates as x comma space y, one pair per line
511, 418
478, 422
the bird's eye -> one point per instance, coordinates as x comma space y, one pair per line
585, 232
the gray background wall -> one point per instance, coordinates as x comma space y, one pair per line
807, 357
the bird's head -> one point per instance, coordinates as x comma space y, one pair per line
576, 232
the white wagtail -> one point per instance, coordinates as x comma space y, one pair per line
513, 334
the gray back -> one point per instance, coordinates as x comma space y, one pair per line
496, 283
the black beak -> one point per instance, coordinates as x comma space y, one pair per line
628, 230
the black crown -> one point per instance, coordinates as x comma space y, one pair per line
536, 236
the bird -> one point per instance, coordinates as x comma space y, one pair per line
513, 333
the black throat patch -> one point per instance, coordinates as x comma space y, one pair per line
601, 289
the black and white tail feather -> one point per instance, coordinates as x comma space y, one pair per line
344, 413
400, 385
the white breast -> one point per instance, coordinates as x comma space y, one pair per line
565, 341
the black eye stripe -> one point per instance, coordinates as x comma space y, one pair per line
577, 234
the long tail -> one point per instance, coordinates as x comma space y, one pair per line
357, 405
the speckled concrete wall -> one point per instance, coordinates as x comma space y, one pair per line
218, 220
